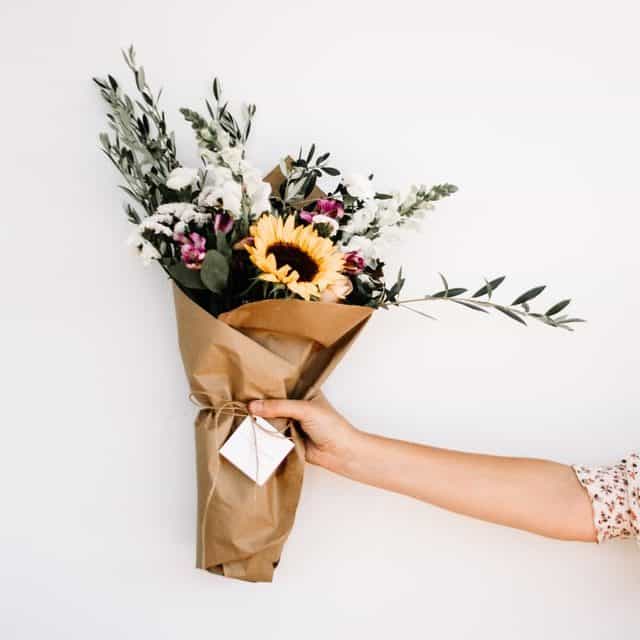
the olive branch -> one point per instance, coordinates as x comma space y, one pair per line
140, 145
482, 301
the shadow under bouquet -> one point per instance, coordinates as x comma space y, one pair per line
273, 280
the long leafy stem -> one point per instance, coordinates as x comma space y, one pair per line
482, 301
140, 146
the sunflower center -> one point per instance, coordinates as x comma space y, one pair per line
296, 258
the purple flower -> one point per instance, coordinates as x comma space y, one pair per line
325, 206
193, 249
222, 223
353, 262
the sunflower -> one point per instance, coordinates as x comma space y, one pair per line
296, 257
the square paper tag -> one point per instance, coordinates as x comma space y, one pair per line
240, 449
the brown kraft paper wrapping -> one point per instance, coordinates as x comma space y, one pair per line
266, 349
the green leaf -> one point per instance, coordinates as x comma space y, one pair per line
450, 293
470, 306
309, 184
330, 171
557, 308
489, 287
420, 313
189, 278
222, 244
511, 314
528, 295
445, 284
215, 271
312, 150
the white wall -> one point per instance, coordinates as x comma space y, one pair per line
532, 108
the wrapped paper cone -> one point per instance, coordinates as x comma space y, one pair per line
266, 349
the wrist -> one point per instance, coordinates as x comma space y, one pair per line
345, 458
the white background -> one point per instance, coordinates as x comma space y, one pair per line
531, 108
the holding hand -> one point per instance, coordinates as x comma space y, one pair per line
331, 439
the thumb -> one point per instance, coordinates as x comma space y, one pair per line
296, 409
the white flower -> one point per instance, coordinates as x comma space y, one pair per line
217, 175
184, 211
143, 247
361, 219
158, 224
260, 199
388, 214
321, 218
220, 185
257, 189
358, 186
182, 177
232, 156
232, 198
148, 253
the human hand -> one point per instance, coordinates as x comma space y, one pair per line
331, 439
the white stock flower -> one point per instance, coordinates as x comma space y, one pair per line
184, 211
142, 247
232, 198
158, 224
260, 199
359, 186
182, 177
220, 185
232, 156
388, 214
148, 253
257, 189
361, 219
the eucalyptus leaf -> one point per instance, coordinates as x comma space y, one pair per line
189, 278
215, 271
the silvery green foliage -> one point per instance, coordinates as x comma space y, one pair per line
138, 143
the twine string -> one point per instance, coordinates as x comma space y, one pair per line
214, 412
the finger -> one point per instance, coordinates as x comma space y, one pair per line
296, 409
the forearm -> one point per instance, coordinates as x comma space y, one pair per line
535, 495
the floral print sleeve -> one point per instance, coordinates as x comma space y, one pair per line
615, 496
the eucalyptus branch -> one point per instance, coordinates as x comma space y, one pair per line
518, 310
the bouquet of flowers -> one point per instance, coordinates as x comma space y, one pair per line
273, 280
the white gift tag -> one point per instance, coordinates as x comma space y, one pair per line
240, 449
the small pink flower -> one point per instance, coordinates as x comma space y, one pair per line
193, 249
353, 262
325, 206
222, 223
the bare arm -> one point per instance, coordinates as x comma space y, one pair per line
535, 495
